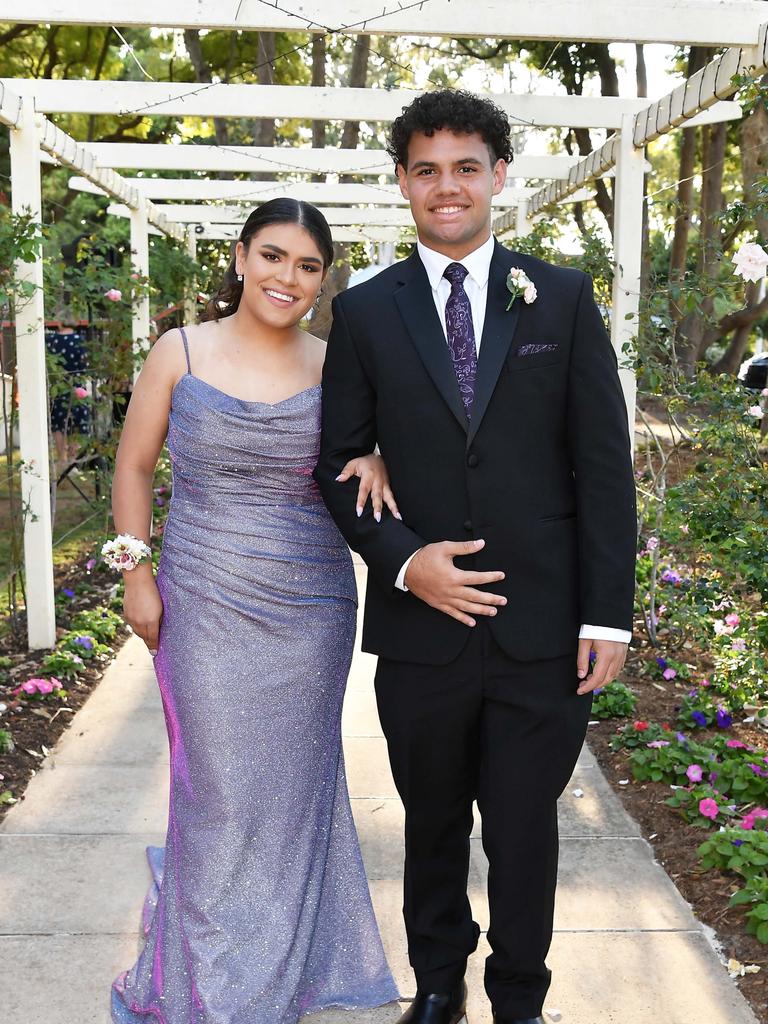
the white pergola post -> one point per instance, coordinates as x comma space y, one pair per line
140, 264
33, 391
627, 242
190, 299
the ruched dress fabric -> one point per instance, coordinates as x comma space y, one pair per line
260, 911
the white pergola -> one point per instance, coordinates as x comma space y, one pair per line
369, 209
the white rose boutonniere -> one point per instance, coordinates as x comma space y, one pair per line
518, 283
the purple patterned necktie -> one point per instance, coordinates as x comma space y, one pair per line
461, 334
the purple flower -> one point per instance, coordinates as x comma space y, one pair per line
737, 842
724, 720
669, 673
90, 564
670, 576
84, 641
597, 691
661, 662
681, 738
699, 718
758, 770
67, 592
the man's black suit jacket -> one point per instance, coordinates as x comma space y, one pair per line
542, 471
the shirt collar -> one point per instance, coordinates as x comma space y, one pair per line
477, 263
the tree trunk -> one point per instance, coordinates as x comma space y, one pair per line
203, 75
319, 80
692, 343
264, 127
697, 57
337, 278
358, 77
641, 82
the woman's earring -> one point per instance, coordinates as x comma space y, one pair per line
240, 278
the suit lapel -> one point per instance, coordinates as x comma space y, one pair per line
417, 307
498, 329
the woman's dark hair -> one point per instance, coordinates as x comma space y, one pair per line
276, 211
458, 111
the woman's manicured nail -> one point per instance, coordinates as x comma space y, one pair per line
339, 477
359, 511
377, 516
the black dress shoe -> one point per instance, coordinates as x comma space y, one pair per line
437, 1008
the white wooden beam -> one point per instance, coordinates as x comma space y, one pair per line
206, 213
278, 159
174, 99
704, 22
225, 232
192, 189
33, 392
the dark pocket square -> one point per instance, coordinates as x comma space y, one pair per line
534, 349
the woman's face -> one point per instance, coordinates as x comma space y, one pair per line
282, 272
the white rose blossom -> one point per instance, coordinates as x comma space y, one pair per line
751, 262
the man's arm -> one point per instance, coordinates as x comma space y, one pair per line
349, 431
598, 436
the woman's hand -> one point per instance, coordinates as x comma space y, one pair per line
143, 607
374, 481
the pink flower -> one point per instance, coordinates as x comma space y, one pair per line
669, 673
653, 543
44, 686
756, 411
750, 262
694, 772
732, 619
708, 807
114, 295
764, 392
81, 392
658, 743
736, 744
684, 528
739, 644
90, 564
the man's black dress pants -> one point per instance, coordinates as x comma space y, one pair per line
506, 733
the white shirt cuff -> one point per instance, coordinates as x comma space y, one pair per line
621, 636
400, 581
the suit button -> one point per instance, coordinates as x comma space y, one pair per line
467, 524
472, 460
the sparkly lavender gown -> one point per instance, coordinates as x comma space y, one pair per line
259, 911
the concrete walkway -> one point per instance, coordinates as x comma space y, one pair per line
73, 876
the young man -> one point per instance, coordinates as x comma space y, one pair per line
502, 423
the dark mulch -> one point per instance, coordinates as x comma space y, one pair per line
675, 841
36, 725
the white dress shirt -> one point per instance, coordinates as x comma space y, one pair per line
478, 265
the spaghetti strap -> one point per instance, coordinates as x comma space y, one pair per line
186, 348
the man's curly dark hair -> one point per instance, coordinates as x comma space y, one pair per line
457, 110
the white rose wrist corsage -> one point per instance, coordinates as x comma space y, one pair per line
125, 551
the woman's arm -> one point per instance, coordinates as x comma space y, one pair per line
144, 431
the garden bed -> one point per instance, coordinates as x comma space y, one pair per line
675, 841
35, 723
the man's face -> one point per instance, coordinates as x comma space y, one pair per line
449, 182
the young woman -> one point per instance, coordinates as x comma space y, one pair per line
260, 911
